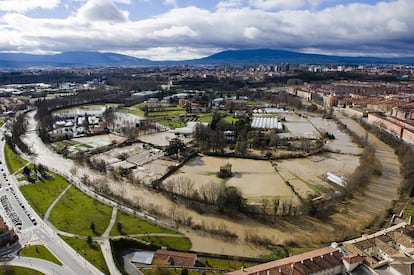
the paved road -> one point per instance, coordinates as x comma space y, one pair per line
42, 233
43, 266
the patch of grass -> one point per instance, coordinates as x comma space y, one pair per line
40, 252
172, 123
41, 195
76, 211
92, 253
2, 121
169, 111
17, 270
14, 161
205, 118
409, 211
132, 110
296, 250
173, 243
134, 225
229, 119
225, 264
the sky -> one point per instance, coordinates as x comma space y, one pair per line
187, 29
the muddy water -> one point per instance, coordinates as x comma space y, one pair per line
304, 231
254, 178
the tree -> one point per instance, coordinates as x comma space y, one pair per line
230, 199
119, 227
26, 171
92, 227
175, 146
89, 240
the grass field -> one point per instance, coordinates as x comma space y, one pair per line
92, 253
224, 264
205, 118
17, 270
13, 160
40, 195
229, 119
40, 252
134, 225
132, 110
169, 111
172, 123
174, 243
76, 211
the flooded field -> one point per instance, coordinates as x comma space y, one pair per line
259, 179
145, 162
90, 109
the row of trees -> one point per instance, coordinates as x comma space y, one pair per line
17, 127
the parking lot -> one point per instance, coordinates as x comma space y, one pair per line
12, 208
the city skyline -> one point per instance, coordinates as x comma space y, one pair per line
185, 29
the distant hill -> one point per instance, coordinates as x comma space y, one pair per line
236, 57
70, 59
268, 56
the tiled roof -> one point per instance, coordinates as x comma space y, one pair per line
353, 259
313, 261
166, 257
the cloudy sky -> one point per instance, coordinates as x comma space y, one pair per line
184, 29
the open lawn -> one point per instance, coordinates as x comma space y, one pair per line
169, 111
229, 119
75, 212
225, 264
205, 118
134, 225
17, 270
13, 160
132, 110
40, 252
172, 123
173, 243
40, 195
92, 253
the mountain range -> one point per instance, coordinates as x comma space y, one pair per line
234, 57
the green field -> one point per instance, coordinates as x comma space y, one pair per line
13, 160
173, 243
134, 225
132, 110
17, 270
229, 119
224, 264
169, 111
205, 118
40, 252
92, 253
40, 195
172, 123
75, 212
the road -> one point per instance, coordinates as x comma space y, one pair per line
41, 233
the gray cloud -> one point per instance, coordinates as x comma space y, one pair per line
384, 28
